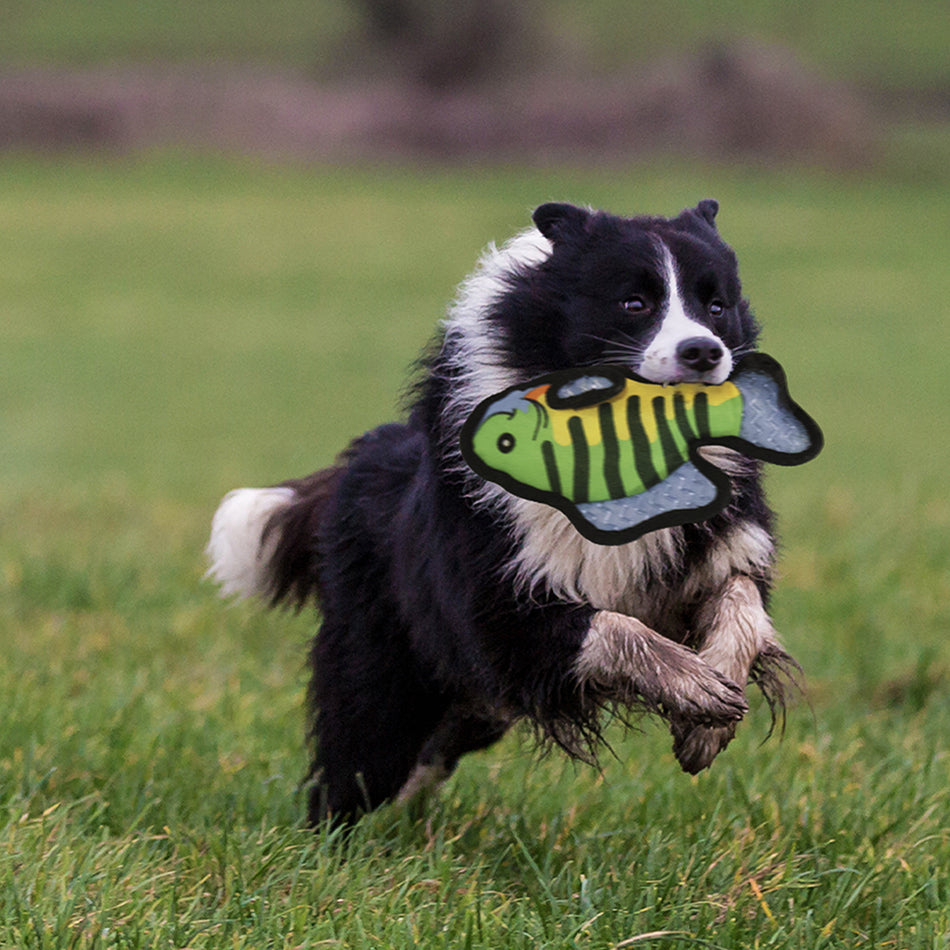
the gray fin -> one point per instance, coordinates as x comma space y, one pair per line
584, 384
683, 489
767, 422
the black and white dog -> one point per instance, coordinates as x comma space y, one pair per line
450, 608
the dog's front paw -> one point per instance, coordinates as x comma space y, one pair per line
627, 662
698, 738
695, 747
699, 696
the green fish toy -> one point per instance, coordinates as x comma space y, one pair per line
619, 455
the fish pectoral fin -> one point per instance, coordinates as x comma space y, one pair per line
687, 494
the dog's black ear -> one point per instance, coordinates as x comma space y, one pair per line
556, 220
708, 208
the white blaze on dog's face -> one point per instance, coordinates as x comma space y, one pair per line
683, 349
659, 297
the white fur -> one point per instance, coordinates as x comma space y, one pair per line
470, 341
728, 460
238, 558
738, 630
618, 647
747, 549
473, 350
659, 364
555, 555
552, 554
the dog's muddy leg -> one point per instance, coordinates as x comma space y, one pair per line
623, 660
458, 733
738, 639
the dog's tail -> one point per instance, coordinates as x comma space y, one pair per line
264, 541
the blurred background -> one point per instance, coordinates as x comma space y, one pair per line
228, 227
476, 80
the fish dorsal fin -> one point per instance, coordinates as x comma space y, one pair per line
575, 390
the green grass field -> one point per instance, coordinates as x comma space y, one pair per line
175, 328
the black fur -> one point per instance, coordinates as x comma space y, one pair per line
428, 647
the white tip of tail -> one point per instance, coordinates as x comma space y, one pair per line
239, 559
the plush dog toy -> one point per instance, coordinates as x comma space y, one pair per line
620, 455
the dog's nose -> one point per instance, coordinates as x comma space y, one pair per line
699, 353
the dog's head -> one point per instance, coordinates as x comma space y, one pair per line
659, 297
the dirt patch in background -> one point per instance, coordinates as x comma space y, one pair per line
738, 102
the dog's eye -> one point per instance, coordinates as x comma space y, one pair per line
716, 308
635, 305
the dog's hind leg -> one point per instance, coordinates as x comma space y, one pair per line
739, 641
372, 712
459, 732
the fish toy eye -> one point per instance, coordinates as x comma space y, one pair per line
506, 442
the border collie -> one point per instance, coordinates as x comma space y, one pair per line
452, 609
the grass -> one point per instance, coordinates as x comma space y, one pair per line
174, 328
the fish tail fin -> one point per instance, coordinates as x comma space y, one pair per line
771, 421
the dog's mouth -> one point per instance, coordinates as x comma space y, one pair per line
672, 375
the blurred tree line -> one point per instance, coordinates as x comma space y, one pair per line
445, 45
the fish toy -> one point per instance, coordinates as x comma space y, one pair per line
619, 455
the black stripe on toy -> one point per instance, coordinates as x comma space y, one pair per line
608, 433
682, 417
581, 459
641, 445
671, 454
701, 412
550, 466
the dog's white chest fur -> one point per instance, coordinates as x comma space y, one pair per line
553, 555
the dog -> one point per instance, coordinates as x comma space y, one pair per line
451, 609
